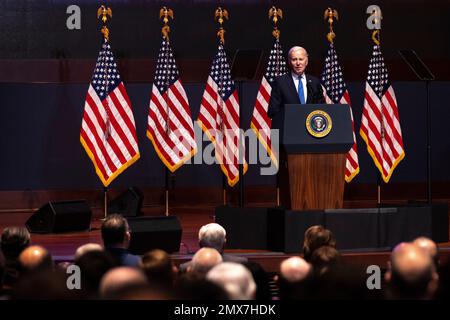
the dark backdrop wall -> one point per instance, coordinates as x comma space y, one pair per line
37, 29
45, 70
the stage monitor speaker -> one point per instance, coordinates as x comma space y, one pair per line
128, 204
246, 227
62, 216
149, 233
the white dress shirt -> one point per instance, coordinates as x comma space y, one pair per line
295, 77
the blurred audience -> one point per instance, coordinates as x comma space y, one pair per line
159, 268
85, 248
13, 241
235, 279
120, 281
294, 279
35, 259
204, 260
411, 274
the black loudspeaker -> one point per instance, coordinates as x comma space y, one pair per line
128, 204
246, 227
62, 216
149, 233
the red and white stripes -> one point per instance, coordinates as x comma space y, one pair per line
110, 153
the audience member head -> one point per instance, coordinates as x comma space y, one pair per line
85, 248
93, 266
159, 268
235, 279
430, 247
35, 258
45, 285
204, 260
212, 235
115, 231
316, 237
412, 273
294, 278
13, 241
193, 286
324, 258
120, 280
294, 269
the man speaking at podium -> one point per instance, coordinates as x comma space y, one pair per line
295, 87
286, 88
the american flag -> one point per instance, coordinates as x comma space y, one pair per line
219, 116
108, 131
170, 125
335, 91
260, 122
380, 123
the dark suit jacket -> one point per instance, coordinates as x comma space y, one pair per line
284, 92
122, 257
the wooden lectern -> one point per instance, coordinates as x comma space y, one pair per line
311, 172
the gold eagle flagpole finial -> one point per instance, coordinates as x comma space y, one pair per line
376, 33
165, 14
275, 14
376, 37
330, 15
104, 12
220, 15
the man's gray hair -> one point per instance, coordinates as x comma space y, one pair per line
295, 48
235, 279
212, 235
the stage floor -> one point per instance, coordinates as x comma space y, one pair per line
62, 246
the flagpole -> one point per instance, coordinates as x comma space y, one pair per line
105, 199
105, 12
429, 194
165, 13
378, 189
241, 149
221, 14
376, 38
224, 190
275, 14
167, 192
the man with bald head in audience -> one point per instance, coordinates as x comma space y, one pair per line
235, 279
85, 248
121, 280
430, 247
412, 273
294, 279
35, 258
204, 260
